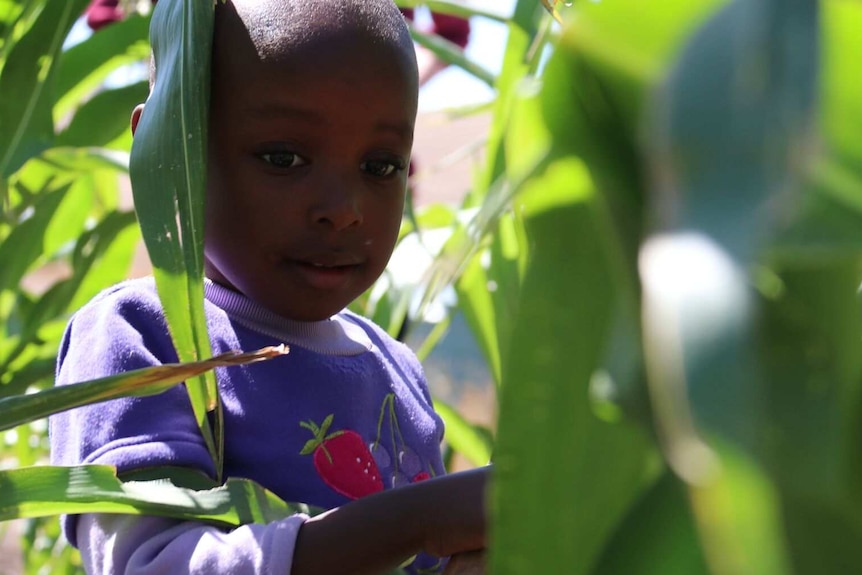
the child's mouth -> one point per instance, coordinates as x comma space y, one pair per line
325, 276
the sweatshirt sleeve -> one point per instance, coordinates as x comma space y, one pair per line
121, 331
144, 545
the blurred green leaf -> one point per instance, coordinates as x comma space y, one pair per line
84, 67
738, 512
105, 256
34, 371
90, 162
102, 118
25, 244
89, 247
73, 215
471, 441
596, 86
823, 537
523, 28
733, 124
559, 493
839, 93
26, 124
453, 54
658, 535
830, 204
756, 397
476, 303
456, 9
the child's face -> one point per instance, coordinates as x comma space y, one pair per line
308, 164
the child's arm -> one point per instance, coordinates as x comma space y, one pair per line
440, 516
372, 535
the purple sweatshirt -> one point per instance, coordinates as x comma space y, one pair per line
345, 414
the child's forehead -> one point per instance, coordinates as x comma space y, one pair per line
259, 48
275, 28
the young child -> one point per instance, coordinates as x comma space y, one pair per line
311, 124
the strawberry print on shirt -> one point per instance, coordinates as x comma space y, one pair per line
342, 460
353, 468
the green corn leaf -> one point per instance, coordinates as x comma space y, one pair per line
449, 52
44, 491
140, 382
726, 145
84, 162
168, 171
564, 478
54, 302
807, 337
24, 245
826, 221
471, 441
477, 305
731, 135
84, 67
733, 124
32, 373
74, 214
99, 121
106, 258
26, 123
9, 12
658, 535
523, 28
529, 143
455, 9
489, 310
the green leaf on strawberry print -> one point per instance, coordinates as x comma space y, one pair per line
319, 436
309, 447
326, 424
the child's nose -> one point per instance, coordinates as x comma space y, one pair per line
338, 206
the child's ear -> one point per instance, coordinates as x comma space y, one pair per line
136, 117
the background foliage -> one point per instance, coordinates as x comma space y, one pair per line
669, 214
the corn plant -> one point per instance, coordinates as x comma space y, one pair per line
659, 258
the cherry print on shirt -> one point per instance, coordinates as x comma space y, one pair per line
407, 467
342, 460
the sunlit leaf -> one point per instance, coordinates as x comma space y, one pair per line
103, 117
463, 10
168, 171
45, 491
469, 440
25, 244
85, 66
141, 382
449, 52
26, 123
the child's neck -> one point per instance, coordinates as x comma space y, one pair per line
337, 335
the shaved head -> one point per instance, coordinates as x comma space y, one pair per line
277, 27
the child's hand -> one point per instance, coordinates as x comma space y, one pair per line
455, 517
469, 563
441, 516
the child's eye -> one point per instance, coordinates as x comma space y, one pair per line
282, 159
381, 168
